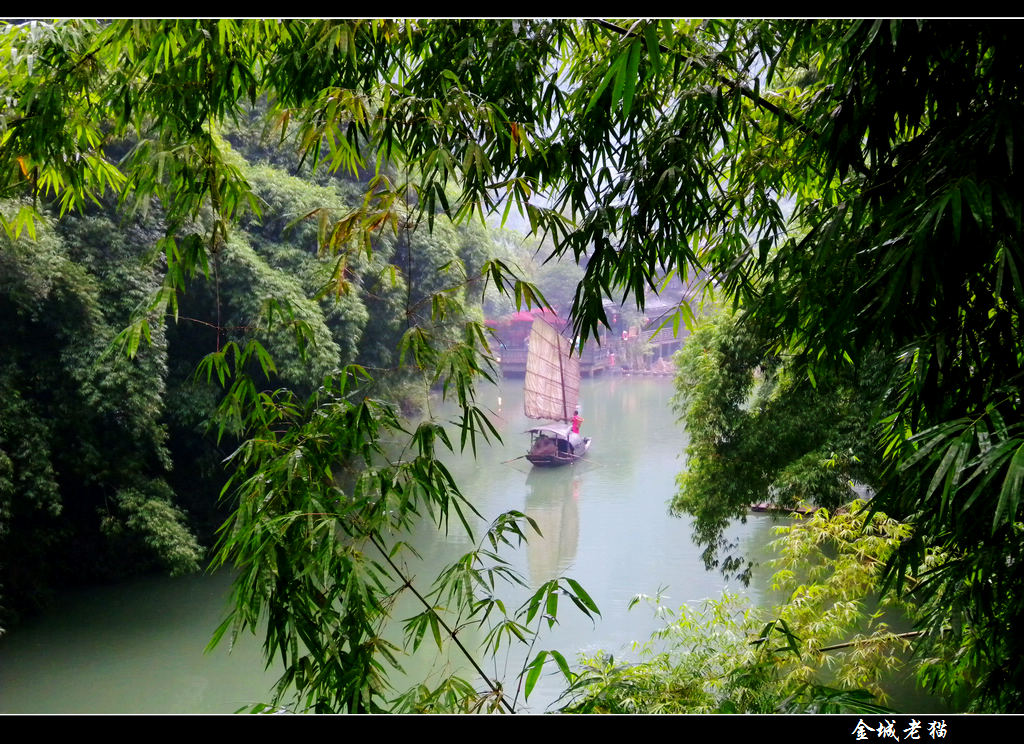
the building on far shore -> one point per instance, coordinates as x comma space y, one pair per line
632, 344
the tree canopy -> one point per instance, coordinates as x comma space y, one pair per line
761, 435
853, 184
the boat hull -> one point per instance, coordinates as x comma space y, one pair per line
558, 459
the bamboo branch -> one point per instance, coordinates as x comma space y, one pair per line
451, 633
744, 90
847, 644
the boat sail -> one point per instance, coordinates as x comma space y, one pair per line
551, 391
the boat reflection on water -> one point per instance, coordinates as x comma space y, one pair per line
552, 501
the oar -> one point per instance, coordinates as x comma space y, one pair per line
513, 460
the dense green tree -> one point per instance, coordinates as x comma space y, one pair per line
84, 448
153, 427
897, 149
264, 411
760, 434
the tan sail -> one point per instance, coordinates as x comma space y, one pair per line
552, 383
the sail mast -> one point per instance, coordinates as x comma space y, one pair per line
561, 381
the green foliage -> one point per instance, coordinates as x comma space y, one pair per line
827, 649
290, 243
688, 666
83, 496
760, 434
146, 515
908, 241
283, 279
829, 567
535, 260
317, 535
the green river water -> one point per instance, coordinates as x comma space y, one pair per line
138, 647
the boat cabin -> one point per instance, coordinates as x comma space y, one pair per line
555, 444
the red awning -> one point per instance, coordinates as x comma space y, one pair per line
527, 316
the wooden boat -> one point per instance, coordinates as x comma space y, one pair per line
552, 445
551, 390
765, 506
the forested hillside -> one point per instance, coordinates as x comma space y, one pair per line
108, 466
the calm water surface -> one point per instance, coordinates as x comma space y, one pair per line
139, 647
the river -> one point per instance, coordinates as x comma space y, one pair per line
138, 647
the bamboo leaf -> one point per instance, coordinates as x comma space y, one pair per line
631, 76
1009, 494
435, 627
551, 608
612, 71
581, 594
533, 671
